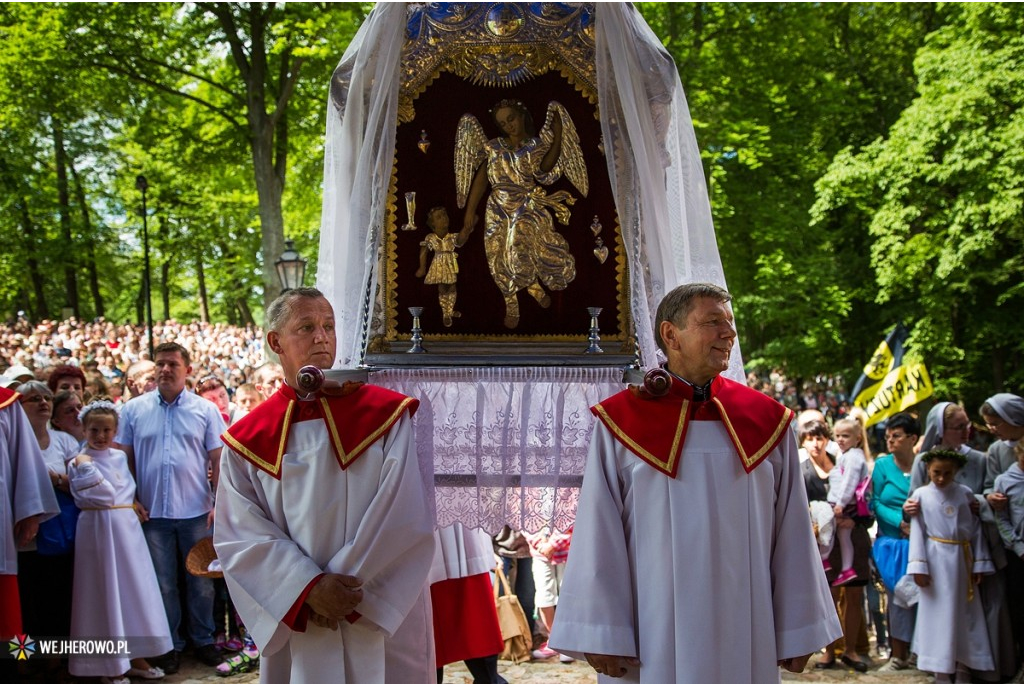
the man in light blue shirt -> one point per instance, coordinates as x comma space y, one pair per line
172, 439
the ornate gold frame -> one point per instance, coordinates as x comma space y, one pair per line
466, 44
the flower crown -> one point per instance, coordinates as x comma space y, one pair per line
98, 404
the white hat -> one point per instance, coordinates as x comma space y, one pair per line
16, 372
9, 383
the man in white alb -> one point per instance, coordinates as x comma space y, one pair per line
692, 555
324, 527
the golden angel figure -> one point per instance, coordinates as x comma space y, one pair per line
523, 249
444, 268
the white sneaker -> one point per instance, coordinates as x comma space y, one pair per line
565, 658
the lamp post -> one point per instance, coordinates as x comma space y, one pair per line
143, 185
291, 267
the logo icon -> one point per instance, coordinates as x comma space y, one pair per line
22, 647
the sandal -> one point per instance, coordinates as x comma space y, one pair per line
243, 662
232, 645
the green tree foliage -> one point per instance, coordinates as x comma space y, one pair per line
776, 90
941, 197
216, 103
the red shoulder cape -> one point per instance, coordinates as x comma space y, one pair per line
7, 397
354, 422
654, 429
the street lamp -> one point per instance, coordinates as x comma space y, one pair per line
291, 267
143, 185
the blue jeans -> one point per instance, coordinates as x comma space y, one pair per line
169, 541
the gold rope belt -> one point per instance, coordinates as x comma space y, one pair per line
968, 561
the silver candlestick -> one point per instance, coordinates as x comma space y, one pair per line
595, 332
417, 332
410, 210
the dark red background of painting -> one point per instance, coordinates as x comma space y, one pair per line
432, 177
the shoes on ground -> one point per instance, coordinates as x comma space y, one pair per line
823, 665
243, 662
895, 664
169, 663
151, 673
855, 664
565, 658
543, 652
209, 655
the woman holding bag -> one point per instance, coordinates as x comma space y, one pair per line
891, 486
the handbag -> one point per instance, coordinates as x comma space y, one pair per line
515, 630
56, 536
863, 497
891, 556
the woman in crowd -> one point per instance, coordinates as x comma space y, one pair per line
67, 377
45, 574
814, 436
66, 405
891, 486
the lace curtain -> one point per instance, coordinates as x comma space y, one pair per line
507, 445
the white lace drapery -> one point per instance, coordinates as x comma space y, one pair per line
507, 445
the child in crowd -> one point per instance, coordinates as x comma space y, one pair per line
1010, 521
116, 595
549, 553
947, 558
848, 484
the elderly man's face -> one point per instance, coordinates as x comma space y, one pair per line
307, 336
700, 350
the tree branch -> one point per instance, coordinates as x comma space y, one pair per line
130, 73
222, 11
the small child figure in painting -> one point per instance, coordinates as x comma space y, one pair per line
444, 269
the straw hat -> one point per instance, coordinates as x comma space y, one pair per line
199, 558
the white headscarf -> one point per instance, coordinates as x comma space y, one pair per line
935, 427
1009, 407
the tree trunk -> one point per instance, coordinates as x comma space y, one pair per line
90, 243
245, 312
41, 310
269, 188
204, 302
63, 200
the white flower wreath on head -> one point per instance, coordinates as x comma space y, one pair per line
98, 404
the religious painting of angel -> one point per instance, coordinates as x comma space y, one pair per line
523, 248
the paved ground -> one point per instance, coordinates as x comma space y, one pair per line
552, 671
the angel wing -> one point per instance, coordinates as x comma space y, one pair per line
570, 160
469, 154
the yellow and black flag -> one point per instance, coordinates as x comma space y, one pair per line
888, 385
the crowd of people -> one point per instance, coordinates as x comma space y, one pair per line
936, 538
131, 447
924, 531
